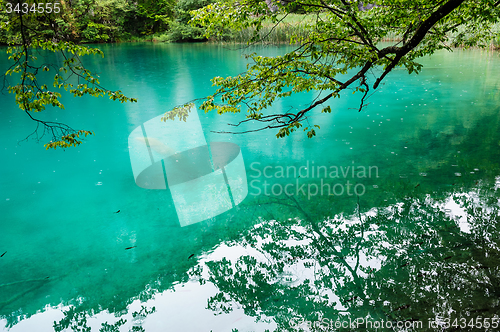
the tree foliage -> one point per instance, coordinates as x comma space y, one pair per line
343, 50
91, 21
180, 29
30, 37
62, 27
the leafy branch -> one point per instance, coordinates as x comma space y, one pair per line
341, 50
33, 96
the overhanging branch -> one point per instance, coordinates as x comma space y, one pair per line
419, 35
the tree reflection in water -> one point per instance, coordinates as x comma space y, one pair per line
400, 257
408, 262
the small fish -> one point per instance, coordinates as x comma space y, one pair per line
190, 256
405, 264
417, 185
3, 254
118, 211
130, 247
47, 277
447, 258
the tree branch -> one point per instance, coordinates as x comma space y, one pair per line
419, 35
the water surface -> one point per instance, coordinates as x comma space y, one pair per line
419, 242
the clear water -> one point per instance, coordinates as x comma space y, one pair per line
419, 242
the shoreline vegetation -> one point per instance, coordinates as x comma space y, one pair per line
296, 26
111, 21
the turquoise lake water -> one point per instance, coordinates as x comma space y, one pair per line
418, 243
